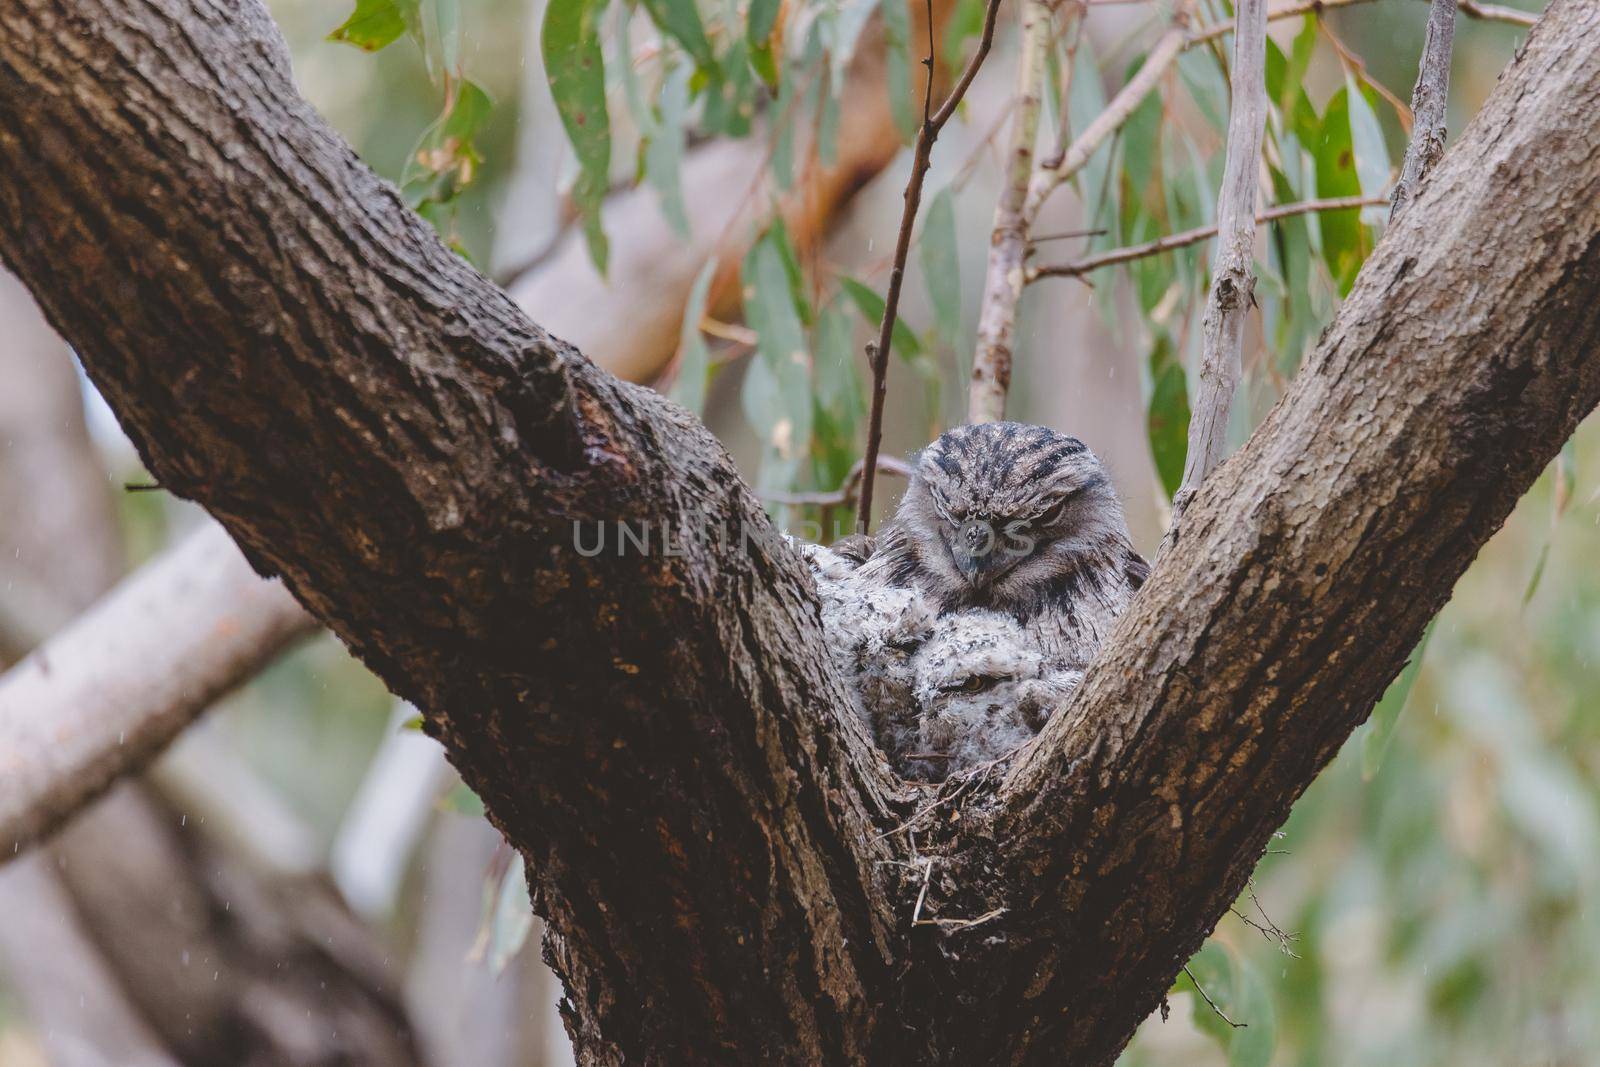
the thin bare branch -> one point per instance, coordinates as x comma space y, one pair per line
1224, 27
1233, 277
922, 151
112, 690
848, 489
1428, 102
1052, 173
1497, 13
1184, 238
1008, 244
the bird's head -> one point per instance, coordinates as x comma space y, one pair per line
1000, 503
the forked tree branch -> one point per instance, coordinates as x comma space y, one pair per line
723, 860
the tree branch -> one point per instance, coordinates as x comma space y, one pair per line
1428, 101
110, 692
1185, 238
1002, 285
1233, 276
717, 848
381, 427
921, 156
1465, 355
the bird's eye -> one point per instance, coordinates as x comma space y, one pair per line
973, 683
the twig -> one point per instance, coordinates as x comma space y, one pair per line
1358, 67
921, 154
927, 877
1198, 988
1065, 234
962, 924
1233, 279
846, 493
1286, 11
1053, 172
1185, 238
1497, 13
1428, 101
1002, 285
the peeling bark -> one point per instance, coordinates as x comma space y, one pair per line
722, 859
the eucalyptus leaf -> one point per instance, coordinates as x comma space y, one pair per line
871, 306
375, 24
897, 48
1344, 244
513, 917
1167, 420
664, 155
573, 62
1386, 716
941, 265
1372, 154
694, 359
680, 20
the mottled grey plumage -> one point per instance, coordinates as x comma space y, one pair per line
873, 631
1019, 519
971, 617
982, 689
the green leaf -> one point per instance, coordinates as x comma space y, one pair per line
1344, 244
1372, 154
965, 22
664, 154
1167, 421
694, 359
941, 265
1386, 716
680, 20
570, 44
445, 159
897, 45
841, 401
444, 17
1141, 154
375, 24
461, 800
1237, 991
871, 306
513, 917
759, 24
1286, 76
782, 421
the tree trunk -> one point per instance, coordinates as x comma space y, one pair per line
720, 854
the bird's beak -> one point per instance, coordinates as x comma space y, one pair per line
977, 552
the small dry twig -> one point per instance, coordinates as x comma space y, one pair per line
922, 151
1183, 239
1207, 998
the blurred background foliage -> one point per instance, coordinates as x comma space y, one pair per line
1435, 897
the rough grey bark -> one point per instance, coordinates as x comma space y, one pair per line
714, 845
1429, 99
